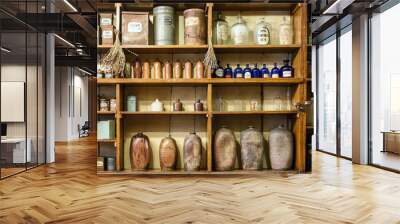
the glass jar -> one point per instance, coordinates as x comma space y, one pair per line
287, 70
286, 32
262, 33
240, 32
221, 30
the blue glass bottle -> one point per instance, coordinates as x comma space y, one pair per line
265, 71
275, 72
219, 71
238, 73
255, 73
247, 72
287, 70
228, 71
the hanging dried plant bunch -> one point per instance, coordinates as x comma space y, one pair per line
210, 60
115, 57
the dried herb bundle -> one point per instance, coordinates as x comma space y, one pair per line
210, 60
115, 57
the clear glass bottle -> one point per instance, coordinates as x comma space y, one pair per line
265, 72
240, 32
247, 72
287, 70
221, 30
255, 73
262, 33
277, 103
275, 72
238, 73
219, 71
286, 32
228, 72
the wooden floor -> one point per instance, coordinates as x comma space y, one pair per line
70, 192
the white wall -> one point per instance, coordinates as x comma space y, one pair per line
71, 103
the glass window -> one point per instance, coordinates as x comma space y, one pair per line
385, 89
326, 96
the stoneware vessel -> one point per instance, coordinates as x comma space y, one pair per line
140, 151
281, 148
146, 72
137, 70
167, 70
157, 70
192, 152
188, 70
252, 148
224, 149
157, 106
178, 105
198, 106
177, 70
168, 153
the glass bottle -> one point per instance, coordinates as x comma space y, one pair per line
265, 71
240, 32
275, 72
238, 73
219, 71
277, 103
247, 72
286, 32
255, 73
221, 30
262, 33
287, 70
228, 71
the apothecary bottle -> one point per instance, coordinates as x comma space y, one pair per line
221, 30
137, 70
265, 72
247, 72
228, 71
240, 32
178, 105
287, 70
275, 72
255, 73
286, 32
238, 73
219, 71
262, 34
198, 106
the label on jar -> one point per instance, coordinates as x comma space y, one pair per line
105, 21
265, 75
219, 73
135, 27
262, 36
222, 34
286, 74
192, 21
247, 75
275, 75
239, 75
107, 34
165, 20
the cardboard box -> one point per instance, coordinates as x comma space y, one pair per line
106, 19
107, 35
106, 129
135, 28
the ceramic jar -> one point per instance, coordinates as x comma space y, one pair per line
177, 105
146, 72
136, 70
140, 151
192, 148
131, 103
199, 73
157, 70
281, 148
113, 105
252, 148
164, 25
187, 72
198, 106
157, 106
168, 153
224, 149
104, 105
167, 70
177, 70
195, 26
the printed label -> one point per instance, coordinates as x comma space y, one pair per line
239, 75
286, 74
219, 73
134, 27
192, 21
275, 75
105, 22
107, 34
247, 75
265, 75
165, 20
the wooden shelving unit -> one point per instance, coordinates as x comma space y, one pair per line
206, 122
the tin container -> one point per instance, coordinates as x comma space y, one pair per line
131, 103
167, 70
164, 25
113, 105
188, 70
146, 71
110, 164
177, 70
157, 70
135, 28
195, 26
104, 105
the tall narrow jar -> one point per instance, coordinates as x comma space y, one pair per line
164, 25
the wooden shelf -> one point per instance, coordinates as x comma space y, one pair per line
191, 173
230, 48
161, 49
253, 81
105, 112
253, 112
165, 113
106, 140
130, 81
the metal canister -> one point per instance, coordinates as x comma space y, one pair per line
131, 103
104, 105
164, 25
195, 26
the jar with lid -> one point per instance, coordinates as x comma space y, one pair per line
240, 32
221, 30
262, 33
137, 70
157, 106
164, 25
286, 32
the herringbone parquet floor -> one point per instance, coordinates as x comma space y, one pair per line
70, 192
